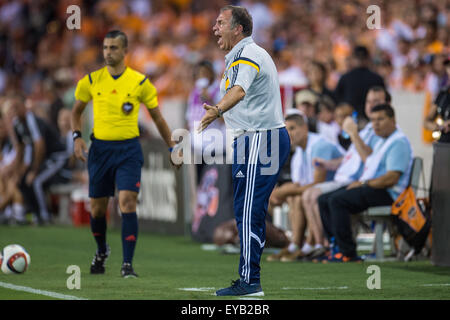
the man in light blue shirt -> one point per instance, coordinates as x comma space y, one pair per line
348, 169
385, 175
396, 159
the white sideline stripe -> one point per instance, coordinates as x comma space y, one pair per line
436, 285
197, 289
41, 292
321, 288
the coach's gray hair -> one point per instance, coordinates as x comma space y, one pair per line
240, 16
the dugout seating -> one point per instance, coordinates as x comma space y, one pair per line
380, 215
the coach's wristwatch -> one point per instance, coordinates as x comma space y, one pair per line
365, 183
219, 112
76, 135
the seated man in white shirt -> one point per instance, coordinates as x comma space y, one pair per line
385, 176
349, 169
304, 174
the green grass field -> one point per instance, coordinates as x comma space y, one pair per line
165, 264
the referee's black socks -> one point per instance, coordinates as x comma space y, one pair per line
98, 228
129, 235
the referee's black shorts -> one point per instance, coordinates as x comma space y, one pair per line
114, 163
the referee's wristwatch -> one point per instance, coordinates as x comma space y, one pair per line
76, 135
365, 183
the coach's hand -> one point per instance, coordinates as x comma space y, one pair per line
80, 149
210, 115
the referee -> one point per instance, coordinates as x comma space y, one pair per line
115, 156
251, 107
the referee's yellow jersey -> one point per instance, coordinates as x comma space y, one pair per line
116, 101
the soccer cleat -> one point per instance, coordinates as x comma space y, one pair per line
127, 271
241, 288
339, 257
98, 263
334, 249
326, 256
316, 254
279, 255
297, 255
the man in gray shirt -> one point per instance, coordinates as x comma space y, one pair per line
251, 107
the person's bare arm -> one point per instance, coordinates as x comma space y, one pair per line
429, 122
17, 164
162, 126
79, 146
351, 128
231, 98
165, 133
385, 181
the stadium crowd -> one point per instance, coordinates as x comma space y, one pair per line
324, 51
40, 56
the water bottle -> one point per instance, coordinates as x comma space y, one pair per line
345, 135
355, 116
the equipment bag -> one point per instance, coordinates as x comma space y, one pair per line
412, 218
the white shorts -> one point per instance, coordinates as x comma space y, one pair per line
330, 186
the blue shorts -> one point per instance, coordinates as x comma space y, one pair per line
112, 163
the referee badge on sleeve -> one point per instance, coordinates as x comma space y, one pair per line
127, 107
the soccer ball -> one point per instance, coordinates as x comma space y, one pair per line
15, 259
